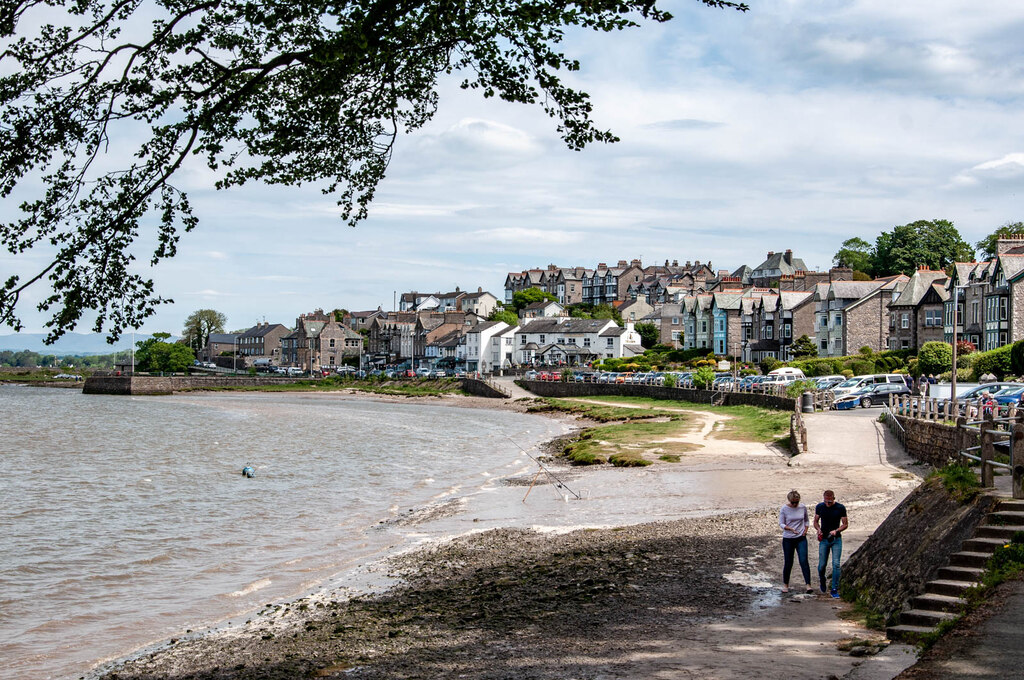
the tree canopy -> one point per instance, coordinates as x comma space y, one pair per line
989, 245
935, 243
157, 355
650, 334
199, 325
524, 298
103, 102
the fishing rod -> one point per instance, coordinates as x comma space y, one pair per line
559, 484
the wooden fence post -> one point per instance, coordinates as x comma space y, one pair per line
1017, 460
965, 434
987, 450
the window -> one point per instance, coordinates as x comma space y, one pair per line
974, 312
1002, 309
932, 317
675, 335
892, 320
905, 343
610, 342
1002, 338
675, 320
787, 330
768, 331
332, 342
542, 339
586, 342
748, 332
904, 321
839, 319
703, 326
522, 339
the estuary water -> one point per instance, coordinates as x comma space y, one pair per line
126, 520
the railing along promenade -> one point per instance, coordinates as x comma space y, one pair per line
988, 435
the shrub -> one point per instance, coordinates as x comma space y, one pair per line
996, 362
703, 378
935, 357
671, 380
959, 481
769, 364
1017, 357
798, 387
862, 367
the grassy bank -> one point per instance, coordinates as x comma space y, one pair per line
407, 388
642, 430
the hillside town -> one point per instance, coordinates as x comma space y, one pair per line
749, 314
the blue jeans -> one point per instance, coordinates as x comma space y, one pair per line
836, 546
789, 546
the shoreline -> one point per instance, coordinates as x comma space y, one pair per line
511, 601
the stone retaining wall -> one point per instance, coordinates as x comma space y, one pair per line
146, 384
907, 549
574, 389
930, 442
481, 388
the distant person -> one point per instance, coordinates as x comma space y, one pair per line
922, 385
830, 522
794, 524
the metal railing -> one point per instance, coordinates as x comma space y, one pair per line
894, 425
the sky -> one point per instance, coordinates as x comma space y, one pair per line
796, 125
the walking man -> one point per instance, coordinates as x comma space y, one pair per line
830, 522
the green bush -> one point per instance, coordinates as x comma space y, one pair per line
935, 357
862, 367
703, 378
769, 364
960, 481
671, 380
1017, 357
798, 387
996, 362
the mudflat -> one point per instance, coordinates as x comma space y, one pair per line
694, 596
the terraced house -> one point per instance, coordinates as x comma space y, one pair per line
988, 297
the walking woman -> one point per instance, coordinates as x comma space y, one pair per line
794, 522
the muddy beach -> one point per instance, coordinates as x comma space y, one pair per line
692, 596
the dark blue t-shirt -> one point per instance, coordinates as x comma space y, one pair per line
829, 516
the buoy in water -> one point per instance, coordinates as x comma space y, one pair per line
248, 471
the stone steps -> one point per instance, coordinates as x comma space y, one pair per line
942, 597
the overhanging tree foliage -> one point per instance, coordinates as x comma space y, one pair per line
282, 92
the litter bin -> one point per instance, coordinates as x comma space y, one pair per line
807, 402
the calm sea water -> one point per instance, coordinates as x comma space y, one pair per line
125, 520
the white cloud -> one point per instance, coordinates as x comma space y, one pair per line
529, 237
1008, 168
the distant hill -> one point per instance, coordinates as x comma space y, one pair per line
71, 344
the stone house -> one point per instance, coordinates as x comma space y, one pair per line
634, 310
542, 309
832, 332
217, 344
262, 342
768, 273
319, 341
669, 320
480, 303
916, 311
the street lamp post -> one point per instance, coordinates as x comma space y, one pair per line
234, 355
956, 305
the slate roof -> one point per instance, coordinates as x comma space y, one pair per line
571, 325
778, 261
260, 330
1011, 264
917, 287
790, 299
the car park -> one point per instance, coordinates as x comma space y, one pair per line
973, 393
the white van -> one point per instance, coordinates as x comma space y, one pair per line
859, 381
295, 370
789, 370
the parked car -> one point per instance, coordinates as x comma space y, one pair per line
860, 381
531, 375
973, 393
876, 395
438, 373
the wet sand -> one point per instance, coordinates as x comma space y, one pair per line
552, 588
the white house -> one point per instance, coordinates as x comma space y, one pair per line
489, 346
573, 341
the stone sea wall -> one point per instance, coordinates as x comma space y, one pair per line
930, 442
122, 384
907, 549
